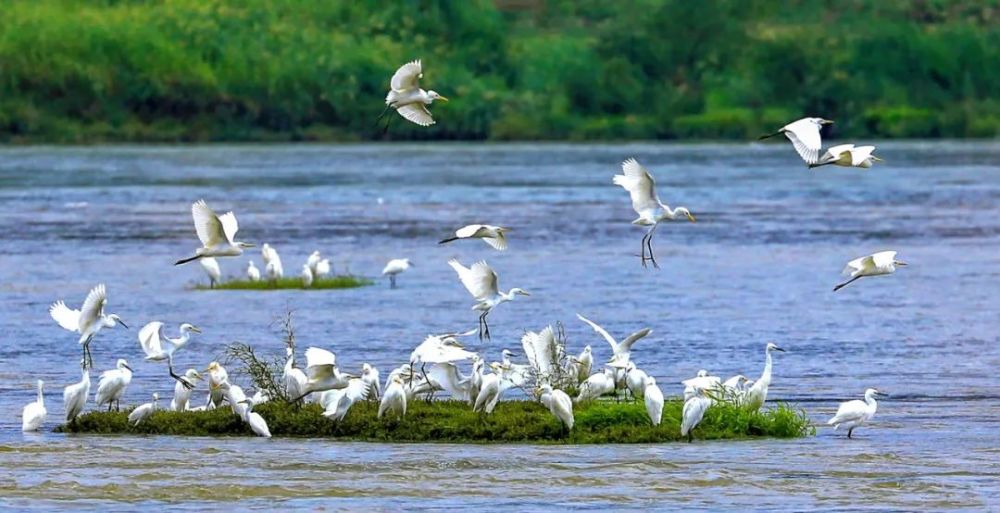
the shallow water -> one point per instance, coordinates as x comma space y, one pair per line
759, 265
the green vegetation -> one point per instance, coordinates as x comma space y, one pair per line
217, 70
453, 421
291, 282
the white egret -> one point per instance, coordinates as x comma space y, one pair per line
446, 377
182, 394
337, 403
406, 96
653, 397
757, 393
848, 155
596, 385
236, 398
322, 373
273, 269
805, 137
253, 274
735, 389
88, 320
257, 423
112, 385
394, 398
323, 268
881, 263
212, 270
438, 349
483, 283
294, 378
313, 261
218, 379
559, 404
394, 267
370, 375
642, 189
543, 352
261, 396
701, 380
217, 234
75, 395
620, 350
693, 412
852, 414
635, 380
158, 347
516, 373
144, 411
34, 413
476, 379
307, 277
494, 385
582, 364
495, 236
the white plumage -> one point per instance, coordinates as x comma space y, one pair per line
543, 353
559, 404
642, 189
694, 410
852, 414
495, 236
75, 395
406, 96
216, 233
143, 411
112, 385
159, 347
212, 270
34, 413
620, 351
253, 274
483, 283
848, 155
596, 385
805, 137
395, 267
307, 276
878, 264
88, 320
182, 394
653, 397
394, 399
757, 393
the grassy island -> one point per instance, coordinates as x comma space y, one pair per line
454, 421
292, 282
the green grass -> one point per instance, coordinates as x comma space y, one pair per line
453, 421
292, 282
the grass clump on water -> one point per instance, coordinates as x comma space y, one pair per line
292, 282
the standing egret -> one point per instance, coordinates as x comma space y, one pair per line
294, 378
582, 364
852, 414
158, 347
257, 423
848, 155
111, 387
182, 394
635, 380
642, 189
495, 236
394, 267
144, 411
75, 395
212, 270
252, 272
483, 283
217, 234
805, 137
595, 386
218, 379
33, 414
735, 389
272, 263
406, 96
881, 263
653, 397
88, 320
322, 373
693, 412
476, 379
559, 404
313, 260
369, 374
703, 381
273, 272
307, 277
235, 397
394, 398
323, 268
494, 385
757, 393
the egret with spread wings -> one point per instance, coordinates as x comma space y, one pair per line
88, 320
217, 234
406, 96
640, 185
495, 236
878, 264
158, 347
483, 283
805, 137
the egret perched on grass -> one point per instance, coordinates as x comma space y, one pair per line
158, 347
34, 413
694, 410
336, 403
653, 397
144, 411
757, 393
495, 236
483, 283
394, 267
294, 378
559, 404
322, 373
112, 385
438, 349
805, 137
595, 386
88, 320
182, 394
217, 234
212, 270
394, 398
635, 380
272, 262
881, 263
494, 385
848, 155
257, 423
253, 274
406, 96
218, 379
75, 395
307, 276
313, 260
323, 268
621, 351
370, 375
852, 414
642, 189
701, 380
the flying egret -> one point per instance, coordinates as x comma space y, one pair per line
337, 403
323, 268
75, 395
294, 378
88, 320
596, 385
144, 411
394, 398
212, 270
582, 364
307, 277
406, 96
653, 397
852, 414
252, 272
757, 393
33, 414
848, 155
624, 348
494, 385
158, 347
313, 260
495, 236
635, 380
182, 394
805, 137
111, 387
394, 267
881, 263
370, 375
218, 379
217, 234
257, 423
483, 283
693, 412
322, 373
559, 404
642, 189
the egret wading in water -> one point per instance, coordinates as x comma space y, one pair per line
212, 270
483, 283
75, 395
757, 393
111, 387
217, 234
879, 264
805, 137
848, 155
88, 320
34, 413
395, 267
144, 411
642, 189
406, 96
495, 236
852, 414
158, 347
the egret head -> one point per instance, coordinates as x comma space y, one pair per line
506, 353
123, 364
496, 367
520, 292
650, 381
771, 346
629, 367
544, 389
156, 397
251, 266
702, 373
117, 320
192, 374
245, 245
874, 392
212, 367
683, 211
435, 96
821, 121
587, 350
899, 263
408, 263
186, 327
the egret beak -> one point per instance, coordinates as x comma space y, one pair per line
442, 98
826, 122
129, 368
876, 159
691, 217
249, 245
779, 349
195, 329
119, 321
525, 293
901, 263
198, 376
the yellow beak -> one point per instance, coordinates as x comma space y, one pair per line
442, 98
691, 218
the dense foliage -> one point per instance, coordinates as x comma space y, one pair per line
209, 70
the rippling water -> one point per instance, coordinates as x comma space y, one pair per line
759, 265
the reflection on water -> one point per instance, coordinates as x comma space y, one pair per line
758, 266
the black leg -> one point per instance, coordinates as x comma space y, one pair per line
380, 116
486, 326
482, 321
187, 384
643, 247
846, 283
649, 244
849, 432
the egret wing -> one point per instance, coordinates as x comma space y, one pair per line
639, 184
67, 318
848, 411
480, 280
539, 348
229, 226
805, 139
319, 363
626, 345
883, 258
472, 230
207, 224
858, 265
602, 332
407, 76
416, 113
151, 337
93, 307
498, 243
357, 390
861, 154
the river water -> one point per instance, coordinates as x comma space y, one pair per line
758, 266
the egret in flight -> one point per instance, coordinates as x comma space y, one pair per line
483, 283
144, 411
75, 395
111, 387
805, 137
33, 414
158, 347
848, 155
881, 263
495, 236
88, 320
642, 189
253, 274
757, 393
620, 351
406, 96
212, 270
852, 414
217, 234
322, 373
